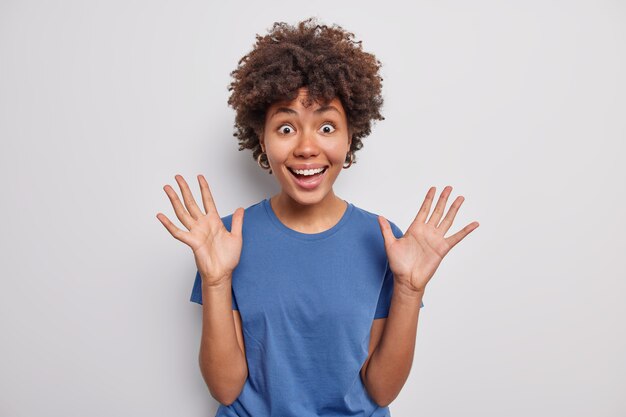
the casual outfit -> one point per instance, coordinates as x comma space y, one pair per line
307, 302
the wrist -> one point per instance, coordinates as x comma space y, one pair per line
217, 282
410, 294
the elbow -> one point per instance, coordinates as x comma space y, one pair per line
376, 396
225, 388
225, 403
222, 397
226, 395
383, 402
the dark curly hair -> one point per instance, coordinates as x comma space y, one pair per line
325, 59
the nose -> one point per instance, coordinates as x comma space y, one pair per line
307, 145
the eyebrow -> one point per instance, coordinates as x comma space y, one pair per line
322, 109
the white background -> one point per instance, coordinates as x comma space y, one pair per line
520, 106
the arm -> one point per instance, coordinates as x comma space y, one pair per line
216, 251
222, 362
388, 366
413, 258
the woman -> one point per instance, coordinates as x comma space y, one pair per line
325, 295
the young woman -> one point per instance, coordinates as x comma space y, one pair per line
325, 296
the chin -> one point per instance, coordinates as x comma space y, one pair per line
307, 198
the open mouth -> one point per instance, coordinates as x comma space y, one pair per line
310, 178
307, 173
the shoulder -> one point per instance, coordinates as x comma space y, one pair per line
369, 218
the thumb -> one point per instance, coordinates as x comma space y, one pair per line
385, 229
237, 222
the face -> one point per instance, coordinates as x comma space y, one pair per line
300, 141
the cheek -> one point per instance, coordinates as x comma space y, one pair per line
337, 152
276, 152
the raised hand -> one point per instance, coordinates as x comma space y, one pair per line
415, 257
216, 250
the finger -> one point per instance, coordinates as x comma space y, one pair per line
460, 235
237, 222
440, 207
425, 209
190, 203
207, 197
385, 229
179, 209
449, 219
174, 231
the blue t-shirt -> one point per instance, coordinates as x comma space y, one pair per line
307, 302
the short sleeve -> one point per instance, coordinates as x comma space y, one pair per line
196, 292
384, 299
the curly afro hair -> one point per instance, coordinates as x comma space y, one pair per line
324, 59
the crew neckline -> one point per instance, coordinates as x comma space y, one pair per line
307, 236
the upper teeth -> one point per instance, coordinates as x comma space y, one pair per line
308, 171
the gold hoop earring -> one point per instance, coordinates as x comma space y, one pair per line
351, 159
265, 164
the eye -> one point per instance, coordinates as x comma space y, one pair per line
326, 125
285, 129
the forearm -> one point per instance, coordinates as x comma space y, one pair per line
390, 363
222, 363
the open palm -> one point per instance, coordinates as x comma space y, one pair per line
216, 250
415, 257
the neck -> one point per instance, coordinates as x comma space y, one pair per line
308, 218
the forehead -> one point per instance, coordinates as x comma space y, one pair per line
303, 101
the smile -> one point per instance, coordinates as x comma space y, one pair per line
309, 178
